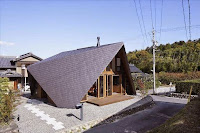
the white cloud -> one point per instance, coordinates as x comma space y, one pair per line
6, 43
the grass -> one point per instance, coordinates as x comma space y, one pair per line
186, 121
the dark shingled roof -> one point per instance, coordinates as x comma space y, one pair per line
66, 77
9, 61
26, 56
5, 61
9, 73
134, 69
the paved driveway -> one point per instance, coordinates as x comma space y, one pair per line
144, 120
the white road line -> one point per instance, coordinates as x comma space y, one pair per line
45, 117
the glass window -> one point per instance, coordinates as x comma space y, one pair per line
108, 68
101, 86
118, 62
115, 80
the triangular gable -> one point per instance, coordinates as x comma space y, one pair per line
31, 59
25, 56
127, 70
66, 78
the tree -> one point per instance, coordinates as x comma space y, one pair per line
176, 57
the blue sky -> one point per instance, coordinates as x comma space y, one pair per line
47, 27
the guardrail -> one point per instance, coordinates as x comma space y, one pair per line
179, 95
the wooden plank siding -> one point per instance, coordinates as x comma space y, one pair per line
111, 69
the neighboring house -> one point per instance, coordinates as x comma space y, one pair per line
11, 67
136, 72
73, 76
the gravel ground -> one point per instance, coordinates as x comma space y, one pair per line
30, 123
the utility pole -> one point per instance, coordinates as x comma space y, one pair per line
154, 62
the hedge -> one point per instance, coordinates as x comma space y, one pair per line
184, 86
166, 78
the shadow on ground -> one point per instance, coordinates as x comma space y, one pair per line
35, 101
146, 102
128, 120
72, 115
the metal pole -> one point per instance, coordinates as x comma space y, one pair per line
154, 62
25, 79
81, 113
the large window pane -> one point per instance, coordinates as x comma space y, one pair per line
101, 86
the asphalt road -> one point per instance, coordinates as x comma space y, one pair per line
145, 120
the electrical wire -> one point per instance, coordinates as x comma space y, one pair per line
161, 19
155, 12
151, 15
189, 19
143, 21
178, 28
139, 22
184, 20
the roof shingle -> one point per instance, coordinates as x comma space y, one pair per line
9, 73
66, 77
5, 61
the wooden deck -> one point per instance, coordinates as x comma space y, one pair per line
108, 100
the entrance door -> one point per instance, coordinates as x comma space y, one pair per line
105, 85
109, 87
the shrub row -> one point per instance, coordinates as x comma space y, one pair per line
184, 86
166, 78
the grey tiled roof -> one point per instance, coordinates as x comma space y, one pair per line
9, 73
9, 61
66, 77
25, 56
5, 61
134, 69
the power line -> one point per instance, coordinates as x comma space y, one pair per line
139, 21
151, 15
161, 19
189, 19
143, 21
184, 19
155, 12
178, 28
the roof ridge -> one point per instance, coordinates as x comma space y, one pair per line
2, 56
86, 49
25, 56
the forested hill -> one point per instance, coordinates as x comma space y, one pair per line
176, 57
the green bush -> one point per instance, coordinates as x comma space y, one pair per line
7, 99
166, 78
184, 86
